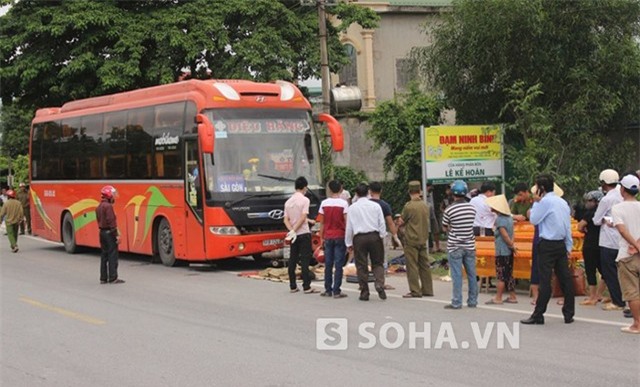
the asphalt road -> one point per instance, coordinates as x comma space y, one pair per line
210, 327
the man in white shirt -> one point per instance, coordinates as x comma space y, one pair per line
626, 218
485, 218
365, 233
609, 237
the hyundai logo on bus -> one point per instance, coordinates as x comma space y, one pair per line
273, 214
276, 214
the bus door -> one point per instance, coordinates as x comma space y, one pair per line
194, 214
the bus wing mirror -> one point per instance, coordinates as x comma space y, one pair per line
335, 130
205, 133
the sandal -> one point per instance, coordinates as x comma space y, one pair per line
629, 330
589, 302
493, 302
510, 301
311, 291
411, 295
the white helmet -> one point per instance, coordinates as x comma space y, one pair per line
609, 176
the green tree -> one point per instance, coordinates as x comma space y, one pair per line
563, 76
395, 125
14, 126
19, 169
55, 51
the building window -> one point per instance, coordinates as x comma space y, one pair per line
349, 72
405, 73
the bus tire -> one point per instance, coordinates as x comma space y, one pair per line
164, 243
69, 234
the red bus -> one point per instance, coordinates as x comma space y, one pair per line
202, 167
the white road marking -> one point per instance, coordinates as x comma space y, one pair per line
497, 308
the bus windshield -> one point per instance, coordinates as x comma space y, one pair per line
260, 150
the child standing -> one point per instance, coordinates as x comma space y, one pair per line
505, 250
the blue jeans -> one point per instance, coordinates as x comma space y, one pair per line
457, 259
334, 255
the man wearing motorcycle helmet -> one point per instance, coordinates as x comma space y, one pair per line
109, 236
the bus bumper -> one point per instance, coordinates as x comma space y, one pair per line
221, 247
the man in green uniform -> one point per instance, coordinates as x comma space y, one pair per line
12, 214
23, 198
415, 218
522, 202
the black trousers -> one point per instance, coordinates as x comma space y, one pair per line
552, 256
609, 272
369, 246
592, 265
108, 256
300, 254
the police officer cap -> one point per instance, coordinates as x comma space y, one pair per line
415, 185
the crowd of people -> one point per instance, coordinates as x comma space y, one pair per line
610, 220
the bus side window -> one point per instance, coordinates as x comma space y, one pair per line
190, 126
169, 126
36, 150
50, 165
114, 145
170, 117
139, 146
90, 148
70, 148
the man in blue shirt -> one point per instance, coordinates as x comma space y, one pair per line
553, 217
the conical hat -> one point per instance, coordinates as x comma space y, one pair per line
556, 190
498, 203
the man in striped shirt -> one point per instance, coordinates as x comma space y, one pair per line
457, 221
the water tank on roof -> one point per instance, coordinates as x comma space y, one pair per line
345, 99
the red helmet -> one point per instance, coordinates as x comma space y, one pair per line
108, 191
11, 194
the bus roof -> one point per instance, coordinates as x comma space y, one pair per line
208, 93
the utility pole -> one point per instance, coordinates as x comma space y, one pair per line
324, 55
324, 58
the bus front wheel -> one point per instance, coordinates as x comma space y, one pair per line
164, 242
69, 234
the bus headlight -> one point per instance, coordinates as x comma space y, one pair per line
224, 230
227, 91
287, 91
